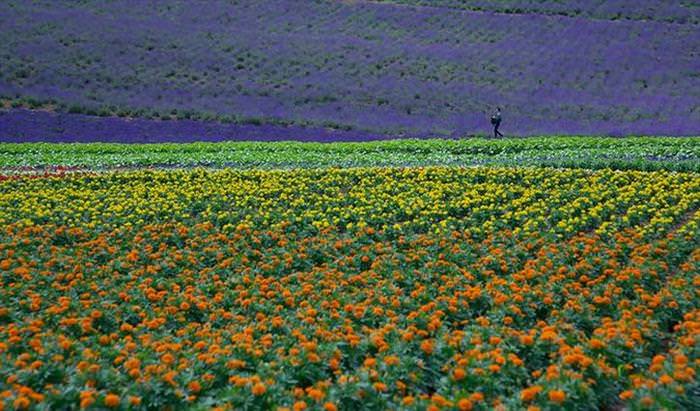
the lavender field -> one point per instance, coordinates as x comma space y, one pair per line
354, 69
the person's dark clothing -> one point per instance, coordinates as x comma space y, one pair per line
496, 121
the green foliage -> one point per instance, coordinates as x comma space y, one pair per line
638, 153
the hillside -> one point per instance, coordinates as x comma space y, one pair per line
377, 68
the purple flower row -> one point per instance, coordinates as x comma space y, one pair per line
26, 126
656, 10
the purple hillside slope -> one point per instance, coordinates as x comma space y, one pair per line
382, 68
25, 126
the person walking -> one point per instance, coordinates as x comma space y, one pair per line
496, 121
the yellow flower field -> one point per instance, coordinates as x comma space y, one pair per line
366, 288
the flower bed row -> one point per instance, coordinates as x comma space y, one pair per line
441, 288
638, 153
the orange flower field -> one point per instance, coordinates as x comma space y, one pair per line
350, 289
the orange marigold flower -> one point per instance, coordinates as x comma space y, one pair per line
548, 335
86, 402
680, 359
259, 389
476, 397
665, 379
169, 377
528, 394
329, 406
459, 373
688, 341
427, 346
235, 364
316, 394
658, 359
596, 343
527, 339
21, 403
626, 395
379, 386
391, 360
465, 405
194, 386
299, 405
557, 396
112, 400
